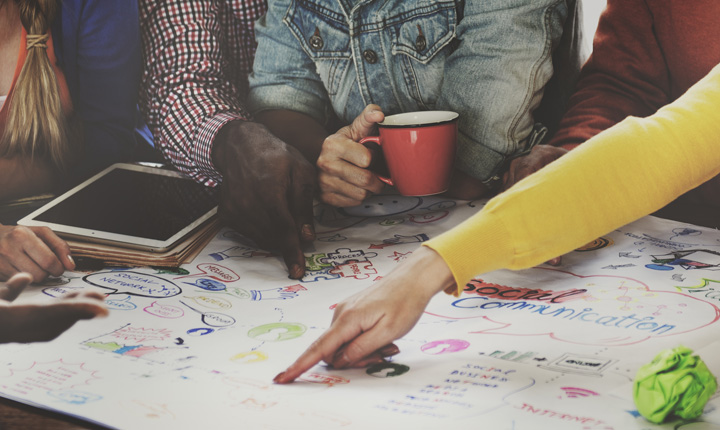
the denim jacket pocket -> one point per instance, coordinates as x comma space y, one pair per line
324, 36
422, 39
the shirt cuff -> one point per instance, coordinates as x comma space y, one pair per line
202, 150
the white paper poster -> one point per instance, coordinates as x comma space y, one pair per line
543, 348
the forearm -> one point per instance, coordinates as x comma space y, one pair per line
296, 129
579, 197
186, 99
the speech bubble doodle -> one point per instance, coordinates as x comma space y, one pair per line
134, 284
277, 332
213, 319
216, 303
444, 346
164, 311
207, 284
58, 292
43, 377
74, 397
214, 271
620, 310
124, 304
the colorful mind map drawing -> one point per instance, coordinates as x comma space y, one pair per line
612, 311
542, 348
699, 259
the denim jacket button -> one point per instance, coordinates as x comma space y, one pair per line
420, 43
370, 56
316, 42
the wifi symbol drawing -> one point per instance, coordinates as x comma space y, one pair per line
574, 392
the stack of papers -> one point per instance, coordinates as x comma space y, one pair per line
117, 255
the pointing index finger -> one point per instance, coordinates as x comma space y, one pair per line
325, 346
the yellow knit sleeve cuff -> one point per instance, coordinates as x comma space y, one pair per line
480, 244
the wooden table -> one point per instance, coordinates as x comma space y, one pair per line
17, 416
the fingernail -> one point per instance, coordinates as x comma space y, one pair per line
389, 350
296, 271
69, 257
308, 232
280, 378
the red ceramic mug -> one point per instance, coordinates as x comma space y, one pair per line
419, 150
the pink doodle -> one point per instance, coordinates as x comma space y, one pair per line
354, 270
444, 346
164, 311
46, 377
214, 271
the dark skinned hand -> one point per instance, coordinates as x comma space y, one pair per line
267, 190
521, 167
465, 187
34, 321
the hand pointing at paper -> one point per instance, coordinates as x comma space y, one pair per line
365, 325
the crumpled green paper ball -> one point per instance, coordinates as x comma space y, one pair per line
676, 384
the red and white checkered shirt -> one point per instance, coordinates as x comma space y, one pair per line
197, 55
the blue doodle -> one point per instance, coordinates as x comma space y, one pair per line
207, 284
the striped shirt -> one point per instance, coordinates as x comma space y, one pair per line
197, 57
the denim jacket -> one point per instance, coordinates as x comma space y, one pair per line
488, 60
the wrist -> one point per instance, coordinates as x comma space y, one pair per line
429, 268
229, 140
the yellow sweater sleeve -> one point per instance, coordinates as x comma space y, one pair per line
620, 175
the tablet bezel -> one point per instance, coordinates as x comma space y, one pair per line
115, 239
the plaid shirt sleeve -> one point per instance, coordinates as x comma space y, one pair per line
187, 95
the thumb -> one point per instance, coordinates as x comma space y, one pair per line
364, 124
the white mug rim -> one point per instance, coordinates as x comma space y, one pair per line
419, 119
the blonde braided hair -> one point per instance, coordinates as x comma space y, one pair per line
36, 125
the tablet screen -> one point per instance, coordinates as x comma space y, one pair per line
142, 204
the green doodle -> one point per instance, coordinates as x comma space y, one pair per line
283, 331
314, 262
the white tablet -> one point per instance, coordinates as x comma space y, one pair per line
129, 205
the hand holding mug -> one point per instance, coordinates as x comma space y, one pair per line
343, 174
